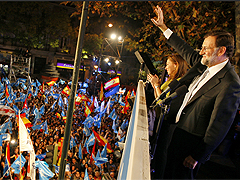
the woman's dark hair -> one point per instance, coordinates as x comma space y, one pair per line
181, 66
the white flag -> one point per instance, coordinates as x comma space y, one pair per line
25, 144
108, 105
102, 106
96, 102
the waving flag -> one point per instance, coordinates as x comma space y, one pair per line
85, 98
121, 140
3, 101
112, 91
16, 164
108, 106
6, 91
104, 151
25, 120
6, 110
61, 81
112, 83
38, 83
72, 143
45, 127
86, 131
53, 106
25, 144
80, 151
21, 98
7, 160
42, 109
87, 111
124, 124
113, 115
90, 142
41, 156
51, 83
114, 127
5, 136
44, 172
60, 101
5, 126
88, 121
86, 177
96, 102
66, 90
102, 141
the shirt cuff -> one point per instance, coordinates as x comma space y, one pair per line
167, 33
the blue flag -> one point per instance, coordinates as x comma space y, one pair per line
72, 143
46, 100
61, 81
124, 124
15, 108
45, 127
38, 83
89, 121
100, 160
86, 177
5, 126
86, 131
112, 91
114, 127
42, 109
53, 106
44, 172
41, 156
37, 126
6, 167
60, 101
104, 151
35, 92
90, 142
16, 164
121, 140
3, 101
80, 151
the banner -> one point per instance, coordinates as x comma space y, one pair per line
135, 161
6, 110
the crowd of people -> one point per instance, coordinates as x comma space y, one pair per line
55, 116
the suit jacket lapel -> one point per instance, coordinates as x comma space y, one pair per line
214, 81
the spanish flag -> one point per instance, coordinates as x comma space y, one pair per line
66, 90
87, 110
6, 92
26, 122
112, 83
7, 160
84, 98
51, 83
64, 118
102, 141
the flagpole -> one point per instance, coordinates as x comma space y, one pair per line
71, 103
20, 174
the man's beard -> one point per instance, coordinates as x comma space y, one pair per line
210, 60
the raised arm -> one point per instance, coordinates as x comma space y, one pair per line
159, 20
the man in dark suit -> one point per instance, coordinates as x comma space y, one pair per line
208, 109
